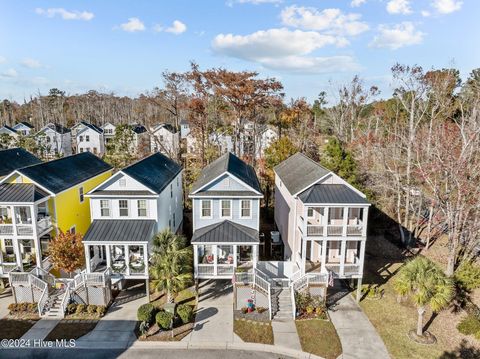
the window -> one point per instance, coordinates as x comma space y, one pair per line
80, 193
122, 182
72, 230
206, 206
142, 207
310, 212
246, 208
171, 190
123, 206
87, 138
105, 208
225, 208
81, 150
81, 139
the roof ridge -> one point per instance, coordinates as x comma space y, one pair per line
57, 160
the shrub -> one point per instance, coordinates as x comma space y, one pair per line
80, 309
467, 276
146, 313
13, 307
91, 308
32, 307
185, 312
71, 308
261, 309
310, 309
244, 310
23, 307
101, 310
319, 310
469, 325
164, 319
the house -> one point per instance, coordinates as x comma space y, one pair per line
15, 158
24, 128
223, 141
141, 139
89, 138
108, 132
7, 130
38, 201
226, 218
55, 139
266, 137
321, 218
127, 210
184, 129
165, 139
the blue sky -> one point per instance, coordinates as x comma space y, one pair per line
124, 46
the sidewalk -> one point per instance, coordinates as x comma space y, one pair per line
6, 298
358, 336
285, 334
41, 329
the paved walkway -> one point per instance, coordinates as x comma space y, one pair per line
5, 299
285, 334
41, 329
214, 318
358, 336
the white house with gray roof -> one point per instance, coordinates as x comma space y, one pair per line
89, 138
321, 218
226, 218
127, 210
55, 139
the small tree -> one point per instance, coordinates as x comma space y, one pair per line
171, 269
426, 284
67, 252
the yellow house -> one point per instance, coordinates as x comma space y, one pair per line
38, 201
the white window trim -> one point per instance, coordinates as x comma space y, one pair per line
120, 208
146, 208
251, 209
220, 208
201, 209
313, 213
109, 208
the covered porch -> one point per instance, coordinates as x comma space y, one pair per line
120, 245
221, 248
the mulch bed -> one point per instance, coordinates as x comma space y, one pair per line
427, 338
14, 328
253, 316
71, 329
179, 333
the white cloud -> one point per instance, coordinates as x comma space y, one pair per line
132, 25
399, 7
253, 2
31, 63
425, 13
447, 6
283, 49
177, 28
65, 14
2, 60
397, 36
357, 3
331, 21
10, 73
157, 28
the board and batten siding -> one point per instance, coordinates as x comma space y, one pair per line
226, 183
252, 222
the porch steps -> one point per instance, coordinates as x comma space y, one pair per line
282, 305
52, 307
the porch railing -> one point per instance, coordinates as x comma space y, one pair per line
25, 229
334, 230
223, 269
6, 268
6, 229
205, 269
43, 224
354, 230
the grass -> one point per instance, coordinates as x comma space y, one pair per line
14, 328
186, 296
69, 330
253, 332
166, 336
319, 337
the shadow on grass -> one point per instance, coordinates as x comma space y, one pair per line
463, 351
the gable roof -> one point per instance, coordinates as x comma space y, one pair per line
20, 193
59, 175
8, 128
139, 129
225, 232
155, 171
231, 164
56, 127
15, 158
299, 171
331, 193
90, 126
24, 123
166, 126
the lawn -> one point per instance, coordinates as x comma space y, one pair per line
14, 328
67, 329
186, 296
319, 337
393, 320
253, 332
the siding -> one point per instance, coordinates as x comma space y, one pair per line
226, 183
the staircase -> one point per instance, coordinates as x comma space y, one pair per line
282, 305
53, 306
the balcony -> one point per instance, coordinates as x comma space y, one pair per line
6, 229
314, 230
334, 230
26, 229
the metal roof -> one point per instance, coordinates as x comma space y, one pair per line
231, 164
121, 193
61, 174
225, 232
155, 171
15, 158
331, 193
226, 193
20, 193
299, 171
56, 127
120, 230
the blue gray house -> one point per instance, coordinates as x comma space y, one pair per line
226, 218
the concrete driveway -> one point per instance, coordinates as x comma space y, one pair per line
214, 317
358, 336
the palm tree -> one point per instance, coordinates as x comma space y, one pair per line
171, 269
426, 284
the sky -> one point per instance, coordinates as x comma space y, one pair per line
124, 46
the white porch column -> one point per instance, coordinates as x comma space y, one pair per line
324, 255
325, 221
255, 255
195, 261
18, 253
304, 254
108, 256
127, 260
235, 250
362, 255
215, 257
345, 221
145, 262
343, 248
36, 239
87, 258
365, 221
